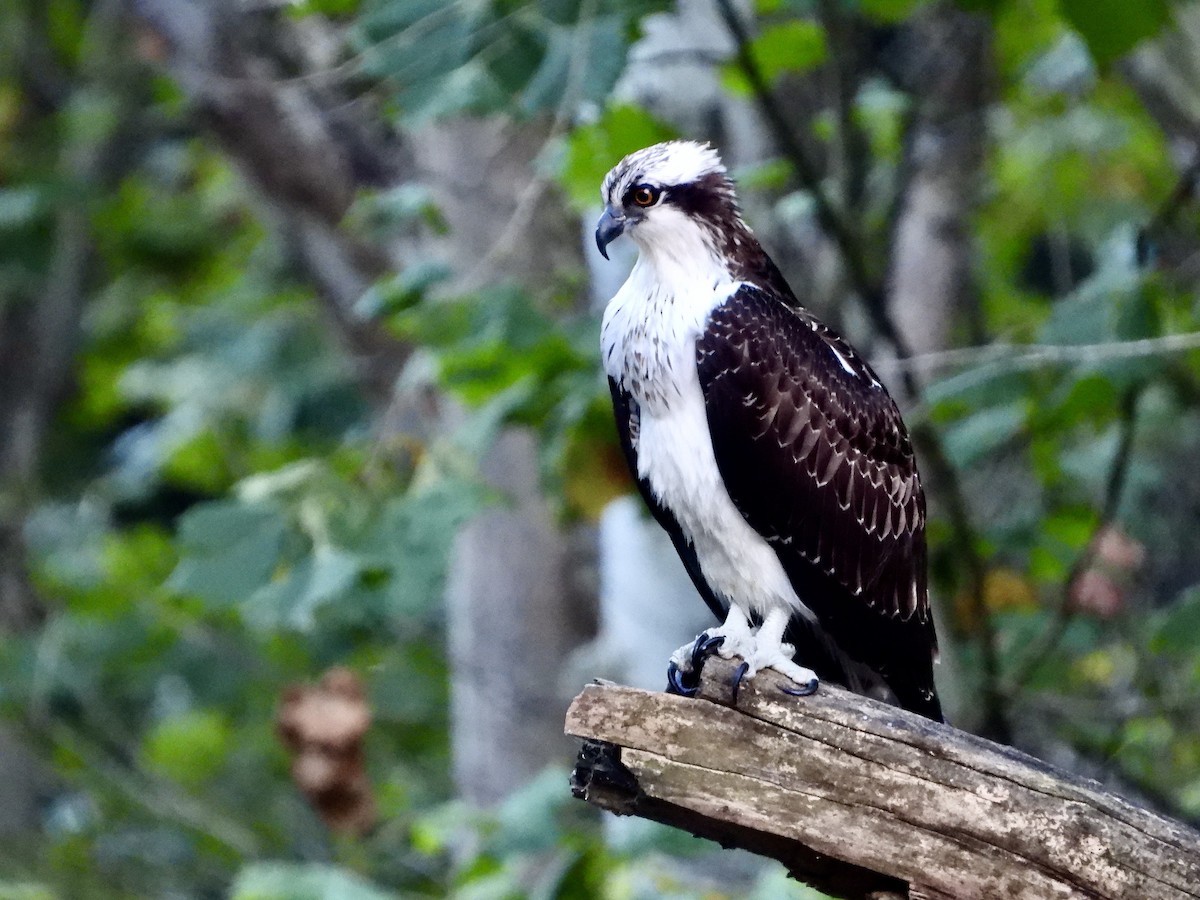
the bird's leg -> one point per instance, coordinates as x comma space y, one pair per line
683, 670
770, 652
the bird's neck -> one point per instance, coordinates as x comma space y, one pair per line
651, 325
681, 257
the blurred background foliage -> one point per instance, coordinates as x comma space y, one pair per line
219, 475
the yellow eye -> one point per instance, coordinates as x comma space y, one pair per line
645, 195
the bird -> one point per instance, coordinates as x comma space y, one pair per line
764, 444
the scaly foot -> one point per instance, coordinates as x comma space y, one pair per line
768, 654
759, 650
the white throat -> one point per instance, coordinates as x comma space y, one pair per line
651, 325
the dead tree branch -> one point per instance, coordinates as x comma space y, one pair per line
864, 800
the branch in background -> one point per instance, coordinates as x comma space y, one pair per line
216, 53
1065, 609
996, 359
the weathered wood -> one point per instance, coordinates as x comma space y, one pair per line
864, 800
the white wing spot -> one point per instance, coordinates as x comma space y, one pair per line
845, 363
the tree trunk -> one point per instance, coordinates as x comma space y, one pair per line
930, 266
515, 604
516, 614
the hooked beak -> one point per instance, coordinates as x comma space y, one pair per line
608, 229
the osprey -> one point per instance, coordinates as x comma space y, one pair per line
763, 444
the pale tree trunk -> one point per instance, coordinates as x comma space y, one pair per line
516, 604
945, 66
517, 610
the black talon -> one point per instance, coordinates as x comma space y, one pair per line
704, 647
802, 691
738, 675
687, 683
677, 682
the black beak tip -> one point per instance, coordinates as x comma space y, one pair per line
608, 229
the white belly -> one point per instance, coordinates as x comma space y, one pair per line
675, 456
648, 343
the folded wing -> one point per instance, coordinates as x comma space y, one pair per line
814, 454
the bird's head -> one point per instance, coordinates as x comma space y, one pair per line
666, 194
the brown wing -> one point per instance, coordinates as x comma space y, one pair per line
814, 454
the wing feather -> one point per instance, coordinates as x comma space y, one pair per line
815, 456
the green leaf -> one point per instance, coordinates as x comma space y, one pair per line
594, 149
1112, 28
303, 881
1137, 315
881, 111
1175, 629
414, 538
66, 23
332, 8
408, 204
585, 59
26, 890
393, 295
795, 46
888, 11
976, 388
768, 175
1071, 527
527, 817
416, 43
984, 6
1092, 398
1189, 799
199, 463
294, 599
1047, 566
21, 207
469, 88
189, 748
971, 439
229, 550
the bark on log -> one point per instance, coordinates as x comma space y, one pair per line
863, 800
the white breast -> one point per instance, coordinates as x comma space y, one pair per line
649, 344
